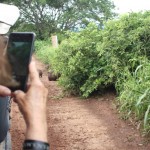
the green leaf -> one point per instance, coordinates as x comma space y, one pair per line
146, 116
142, 97
137, 69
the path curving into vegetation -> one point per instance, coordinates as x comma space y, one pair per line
77, 124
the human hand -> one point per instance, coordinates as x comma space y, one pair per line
4, 91
32, 105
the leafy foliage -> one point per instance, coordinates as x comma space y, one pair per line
46, 17
44, 51
129, 45
118, 54
134, 98
82, 69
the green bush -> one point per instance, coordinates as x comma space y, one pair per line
125, 40
44, 51
77, 61
118, 55
94, 59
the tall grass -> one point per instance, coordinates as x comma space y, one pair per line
134, 98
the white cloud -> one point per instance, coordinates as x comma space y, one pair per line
124, 6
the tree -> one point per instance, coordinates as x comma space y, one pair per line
46, 17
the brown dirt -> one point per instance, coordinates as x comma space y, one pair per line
77, 124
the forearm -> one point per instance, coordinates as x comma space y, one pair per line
36, 137
36, 126
37, 132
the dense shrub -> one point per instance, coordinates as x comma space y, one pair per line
125, 41
118, 54
79, 63
94, 59
129, 46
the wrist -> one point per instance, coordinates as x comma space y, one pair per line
37, 131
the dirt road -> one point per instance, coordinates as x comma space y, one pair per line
77, 124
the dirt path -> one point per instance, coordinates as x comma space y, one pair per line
75, 124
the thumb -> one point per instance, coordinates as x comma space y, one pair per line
18, 95
34, 76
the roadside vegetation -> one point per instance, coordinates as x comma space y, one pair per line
116, 55
97, 50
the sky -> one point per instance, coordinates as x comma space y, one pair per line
125, 6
